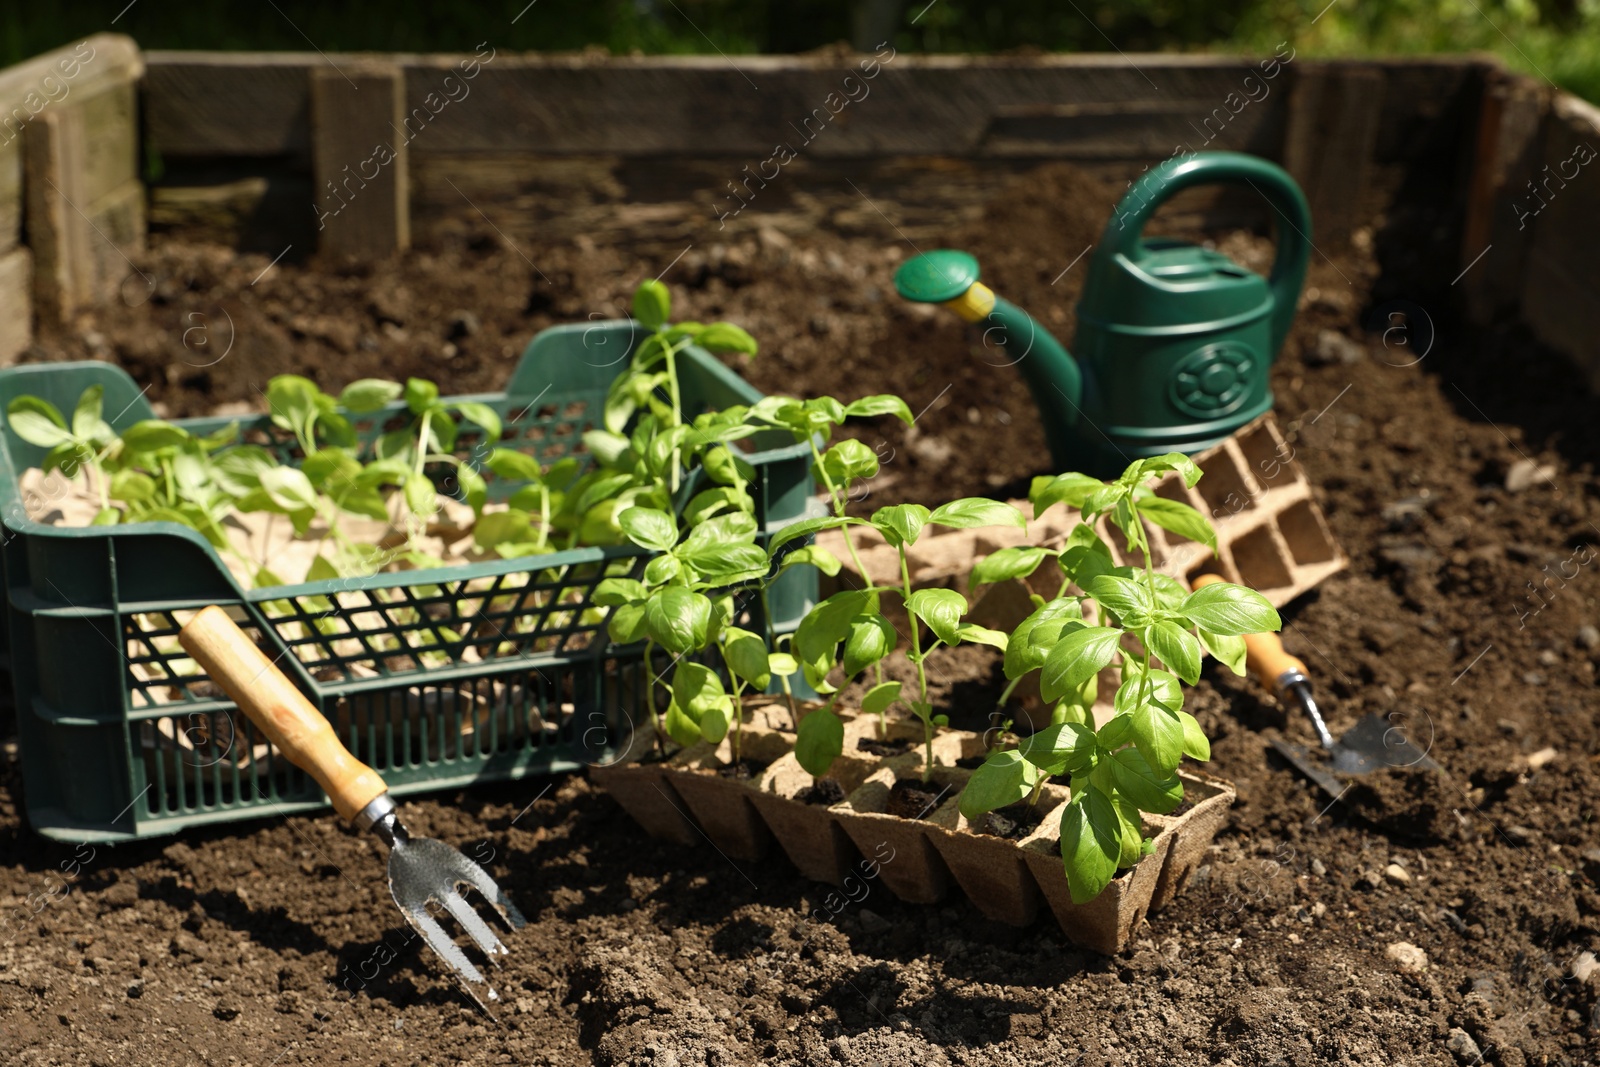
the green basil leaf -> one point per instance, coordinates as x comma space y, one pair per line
1069, 489
1033, 638
421, 499
696, 689
1080, 655
474, 490
879, 404
680, 727
615, 592
1177, 648
132, 486
482, 415
725, 468
819, 741
289, 488
844, 462
366, 395
877, 699
1004, 778
678, 619
1152, 789
1006, 563
1179, 518
1230, 651
1195, 743
1141, 470
724, 564
37, 422
649, 528
1091, 843
1066, 748
1230, 610
901, 523
782, 664
746, 656
1127, 597
971, 512
626, 624
825, 625
806, 528
973, 634
87, 416
723, 531
420, 395
816, 556
941, 609
871, 638
360, 500
513, 466
652, 303
726, 337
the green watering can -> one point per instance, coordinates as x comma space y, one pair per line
1174, 341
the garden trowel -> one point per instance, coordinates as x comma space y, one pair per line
423, 873
1374, 743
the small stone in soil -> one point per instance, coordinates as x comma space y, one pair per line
873, 746
823, 792
911, 799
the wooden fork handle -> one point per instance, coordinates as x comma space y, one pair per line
280, 710
1264, 652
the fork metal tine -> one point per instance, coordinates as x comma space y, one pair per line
475, 927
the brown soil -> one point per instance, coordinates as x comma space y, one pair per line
1015, 822
872, 746
269, 942
824, 792
911, 799
744, 770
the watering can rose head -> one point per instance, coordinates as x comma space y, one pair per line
1174, 340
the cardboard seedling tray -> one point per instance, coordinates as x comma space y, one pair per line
1271, 535
918, 860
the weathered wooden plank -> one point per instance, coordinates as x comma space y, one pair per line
1328, 145
57, 231
67, 76
10, 195
208, 104
1562, 275
1509, 149
360, 161
82, 245
16, 304
201, 104
1135, 130
111, 140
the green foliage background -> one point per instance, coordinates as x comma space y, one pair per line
1558, 39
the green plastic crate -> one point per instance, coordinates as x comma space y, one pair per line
122, 737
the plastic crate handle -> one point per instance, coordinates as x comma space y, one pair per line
281, 711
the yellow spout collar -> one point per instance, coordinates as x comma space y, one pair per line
973, 305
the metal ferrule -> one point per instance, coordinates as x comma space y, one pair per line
380, 817
1292, 676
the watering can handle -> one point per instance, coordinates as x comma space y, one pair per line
1126, 227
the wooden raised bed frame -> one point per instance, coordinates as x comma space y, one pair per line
1453, 143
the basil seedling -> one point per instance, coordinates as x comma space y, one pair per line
1129, 765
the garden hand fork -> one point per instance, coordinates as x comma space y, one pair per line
422, 871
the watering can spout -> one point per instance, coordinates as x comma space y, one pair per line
1011, 338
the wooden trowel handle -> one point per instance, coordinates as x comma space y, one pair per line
1264, 652
281, 711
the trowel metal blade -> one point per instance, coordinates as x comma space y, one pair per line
1376, 743
1310, 766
